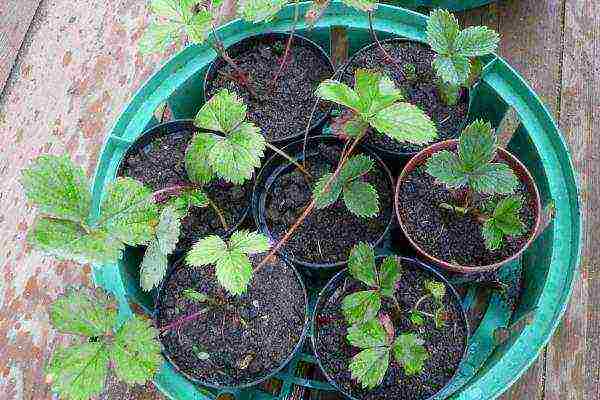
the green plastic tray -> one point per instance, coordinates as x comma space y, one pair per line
548, 268
453, 5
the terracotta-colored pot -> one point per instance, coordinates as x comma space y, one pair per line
518, 168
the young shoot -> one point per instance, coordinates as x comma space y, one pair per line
456, 50
473, 169
130, 350
435, 291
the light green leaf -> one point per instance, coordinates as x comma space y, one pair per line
234, 272
206, 251
477, 41
446, 167
222, 112
492, 234
168, 230
58, 188
436, 289
361, 306
439, 318
416, 318
154, 266
507, 216
187, 199
128, 212
257, 11
249, 242
78, 372
388, 95
494, 178
194, 295
197, 164
86, 312
326, 198
442, 31
136, 351
370, 366
477, 145
367, 334
158, 36
361, 198
405, 122
366, 86
410, 353
356, 166
361, 264
453, 69
169, 9
389, 276
199, 26
361, 5
339, 93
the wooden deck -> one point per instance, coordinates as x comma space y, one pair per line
67, 69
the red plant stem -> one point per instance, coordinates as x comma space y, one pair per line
182, 321
288, 47
376, 39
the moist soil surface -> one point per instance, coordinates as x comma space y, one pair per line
161, 164
445, 345
241, 341
421, 92
281, 110
327, 235
448, 235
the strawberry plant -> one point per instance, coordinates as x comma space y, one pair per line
435, 291
472, 169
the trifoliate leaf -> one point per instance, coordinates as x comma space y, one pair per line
369, 366
410, 353
234, 272
199, 26
136, 351
195, 295
356, 166
492, 235
86, 312
78, 372
476, 41
361, 306
389, 276
339, 93
326, 198
206, 251
405, 122
436, 289
361, 264
58, 188
197, 164
494, 178
446, 168
154, 266
453, 69
506, 215
169, 9
249, 242
168, 230
442, 31
67, 240
477, 145
361, 199
257, 11
128, 212
361, 5
367, 334
222, 112
158, 36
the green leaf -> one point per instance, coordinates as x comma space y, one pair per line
453, 69
257, 11
234, 272
222, 112
436, 289
339, 93
169, 9
477, 145
187, 199
78, 372
367, 334
58, 188
197, 164
405, 122
195, 295
492, 235
494, 178
326, 198
477, 41
66, 240
168, 230
361, 306
388, 95
158, 36
439, 318
362, 199
389, 276
361, 264
356, 166
154, 266
249, 242
361, 5
410, 353
442, 31
446, 168
507, 216
366, 86
136, 351
352, 125
416, 318
128, 212
206, 251
199, 26
369, 366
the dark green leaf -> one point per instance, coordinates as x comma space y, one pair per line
410, 353
361, 264
356, 166
325, 198
492, 235
389, 276
494, 178
187, 199
446, 167
477, 145
361, 198
507, 215
367, 334
361, 306
417, 318
405, 122
369, 366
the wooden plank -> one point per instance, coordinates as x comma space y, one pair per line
16, 16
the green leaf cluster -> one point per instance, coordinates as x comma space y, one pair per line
257, 11
377, 102
455, 47
128, 215
78, 372
233, 156
505, 221
233, 267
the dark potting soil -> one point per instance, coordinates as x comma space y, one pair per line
327, 235
239, 342
281, 110
447, 235
161, 164
422, 92
445, 345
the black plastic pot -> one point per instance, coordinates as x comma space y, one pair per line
396, 159
172, 268
332, 285
252, 41
274, 168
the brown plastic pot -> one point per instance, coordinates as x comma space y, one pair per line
518, 168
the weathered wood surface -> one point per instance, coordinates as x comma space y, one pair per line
78, 68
